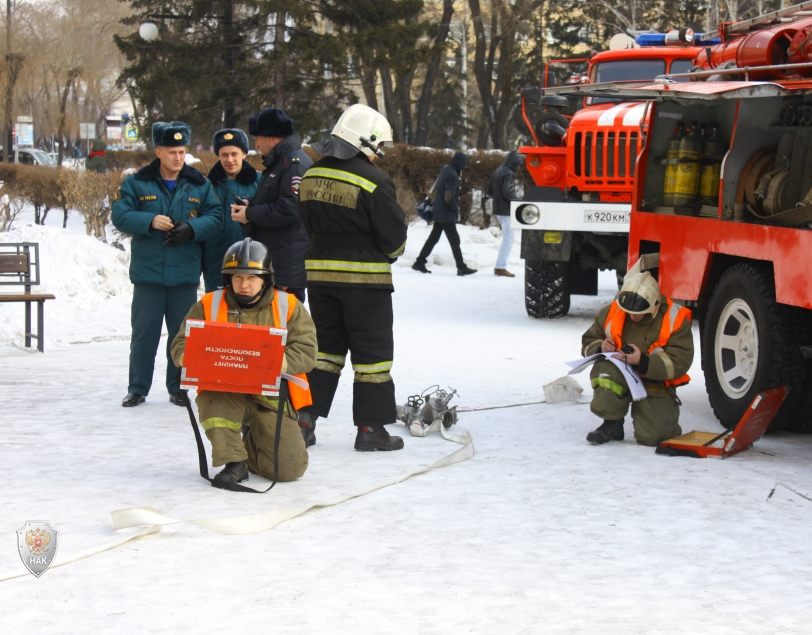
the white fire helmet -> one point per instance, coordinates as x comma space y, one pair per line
640, 294
363, 128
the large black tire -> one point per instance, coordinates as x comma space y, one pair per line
546, 288
751, 344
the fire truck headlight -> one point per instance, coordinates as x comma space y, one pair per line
528, 214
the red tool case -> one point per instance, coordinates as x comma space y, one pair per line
720, 446
226, 357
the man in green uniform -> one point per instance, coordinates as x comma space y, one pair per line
251, 298
232, 176
658, 333
168, 208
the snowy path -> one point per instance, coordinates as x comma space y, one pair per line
538, 533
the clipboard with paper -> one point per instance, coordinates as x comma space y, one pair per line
633, 380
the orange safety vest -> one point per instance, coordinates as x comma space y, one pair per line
283, 305
672, 320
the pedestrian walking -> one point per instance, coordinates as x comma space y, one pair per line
168, 208
232, 177
502, 190
358, 230
446, 211
272, 216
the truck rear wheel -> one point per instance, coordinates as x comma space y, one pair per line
546, 288
751, 344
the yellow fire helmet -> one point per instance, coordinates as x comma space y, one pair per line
640, 294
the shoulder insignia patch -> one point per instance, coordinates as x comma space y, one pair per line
150, 197
117, 195
294, 184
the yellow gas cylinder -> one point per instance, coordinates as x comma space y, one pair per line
710, 175
670, 184
690, 154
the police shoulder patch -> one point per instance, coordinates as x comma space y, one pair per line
294, 184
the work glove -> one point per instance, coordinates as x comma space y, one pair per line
180, 234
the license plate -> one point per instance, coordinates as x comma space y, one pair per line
606, 217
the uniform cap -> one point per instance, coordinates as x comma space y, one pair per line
230, 137
270, 122
171, 135
640, 294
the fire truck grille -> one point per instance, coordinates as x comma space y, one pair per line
605, 154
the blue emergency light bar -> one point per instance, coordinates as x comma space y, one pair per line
677, 38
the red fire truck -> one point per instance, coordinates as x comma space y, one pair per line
575, 220
736, 256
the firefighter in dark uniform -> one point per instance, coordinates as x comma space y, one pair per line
272, 216
357, 230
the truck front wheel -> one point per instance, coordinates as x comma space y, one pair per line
546, 288
751, 344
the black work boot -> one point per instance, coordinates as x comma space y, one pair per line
369, 440
133, 399
465, 270
178, 398
234, 472
420, 266
608, 431
308, 428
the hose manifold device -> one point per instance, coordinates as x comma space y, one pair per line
429, 408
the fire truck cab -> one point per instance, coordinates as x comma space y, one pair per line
575, 220
738, 256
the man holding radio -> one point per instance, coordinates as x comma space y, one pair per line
656, 341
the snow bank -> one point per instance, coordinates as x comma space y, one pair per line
89, 279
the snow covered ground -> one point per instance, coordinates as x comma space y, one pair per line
538, 533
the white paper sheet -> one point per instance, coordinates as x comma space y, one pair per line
633, 380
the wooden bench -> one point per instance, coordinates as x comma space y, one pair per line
17, 267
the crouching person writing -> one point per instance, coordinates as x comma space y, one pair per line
242, 427
658, 331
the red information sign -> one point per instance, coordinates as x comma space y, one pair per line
226, 357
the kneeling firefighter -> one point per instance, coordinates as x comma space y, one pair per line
250, 297
656, 341
357, 230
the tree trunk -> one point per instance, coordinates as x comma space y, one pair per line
510, 16
421, 135
63, 103
14, 64
368, 81
392, 110
483, 78
279, 67
404, 97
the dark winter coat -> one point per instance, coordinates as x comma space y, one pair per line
446, 206
96, 160
356, 225
502, 186
274, 212
215, 248
144, 195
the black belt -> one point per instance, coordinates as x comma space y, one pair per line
343, 241
201, 450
